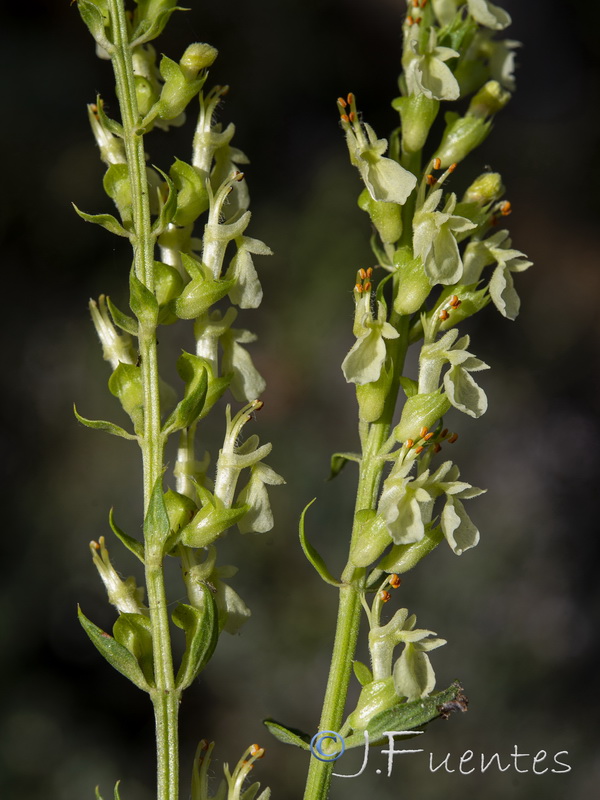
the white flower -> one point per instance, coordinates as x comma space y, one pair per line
489, 15
434, 240
427, 73
364, 361
406, 504
259, 517
247, 292
385, 179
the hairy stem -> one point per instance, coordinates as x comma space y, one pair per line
349, 610
165, 696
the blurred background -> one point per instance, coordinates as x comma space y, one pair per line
520, 612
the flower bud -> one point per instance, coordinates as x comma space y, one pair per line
462, 135
490, 99
485, 189
420, 410
373, 539
417, 112
414, 285
145, 93
387, 217
196, 57
403, 557
375, 697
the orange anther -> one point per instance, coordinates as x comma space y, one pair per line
423, 3
415, 3
352, 116
350, 97
453, 438
359, 287
437, 447
417, 20
408, 443
428, 437
239, 176
203, 744
368, 286
369, 272
452, 167
443, 315
342, 102
395, 580
410, 21
444, 433
95, 545
257, 751
423, 431
505, 209
384, 596
430, 179
419, 449
453, 300
345, 118
258, 404
437, 163
363, 273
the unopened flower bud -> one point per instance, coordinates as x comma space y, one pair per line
490, 99
485, 189
196, 57
417, 112
414, 285
387, 217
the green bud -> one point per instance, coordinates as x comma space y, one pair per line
417, 113
387, 217
209, 523
371, 396
487, 188
373, 539
196, 57
490, 99
421, 410
192, 194
403, 557
462, 135
117, 187
145, 93
374, 698
180, 510
168, 284
126, 384
414, 285
177, 90
133, 632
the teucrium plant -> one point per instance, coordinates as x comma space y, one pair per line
193, 260
176, 276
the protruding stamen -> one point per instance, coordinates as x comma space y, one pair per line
452, 167
368, 286
359, 288
428, 436
350, 98
256, 751
362, 273
345, 118
384, 596
437, 447
444, 433
506, 208
443, 315
352, 116
431, 180
342, 102
423, 432
369, 272
437, 163
408, 444
453, 438
419, 449
410, 21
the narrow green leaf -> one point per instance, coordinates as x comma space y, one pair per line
134, 632
106, 221
123, 321
409, 716
147, 30
98, 795
192, 370
156, 523
137, 548
117, 656
287, 735
312, 555
117, 795
141, 301
362, 672
201, 626
103, 425
409, 386
339, 461
95, 16
110, 124
168, 207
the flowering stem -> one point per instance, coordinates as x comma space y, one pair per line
164, 696
353, 579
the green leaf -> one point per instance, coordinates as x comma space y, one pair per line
98, 795
339, 461
123, 321
134, 632
156, 522
408, 716
95, 15
142, 302
362, 672
312, 555
117, 656
103, 425
201, 626
409, 386
106, 221
287, 735
167, 207
117, 795
193, 371
168, 283
149, 29
110, 124
137, 548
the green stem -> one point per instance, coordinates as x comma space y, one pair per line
348, 620
165, 696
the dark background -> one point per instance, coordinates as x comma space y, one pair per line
520, 612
